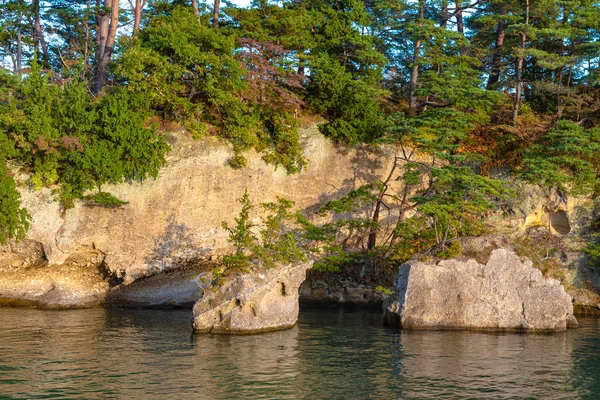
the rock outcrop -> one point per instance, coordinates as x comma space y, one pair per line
177, 288
168, 223
80, 282
505, 294
176, 218
535, 207
260, 301
586, 302
346, 293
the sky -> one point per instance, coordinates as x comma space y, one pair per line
242, 3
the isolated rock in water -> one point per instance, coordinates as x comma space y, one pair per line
504, 294
252, 302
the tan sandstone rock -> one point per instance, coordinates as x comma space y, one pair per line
168, 223
79, 282
505, 294
177, 217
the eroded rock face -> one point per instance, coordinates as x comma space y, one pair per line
176, 218
505, 294
24, 254
253, 302
79, 282
168, 223
586, 302
348, 293
179, 288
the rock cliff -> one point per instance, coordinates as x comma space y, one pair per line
168, 223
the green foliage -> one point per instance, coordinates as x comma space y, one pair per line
279, 244
186, 69
218, 277
236, 261
104, 199
592, 250
203, 77
241, 236
412, 236
384, 290
65, 136
353, 200
350, 104
14, 220
452, 250
456, 199
348, 220
565, 158
322, 243
276, 242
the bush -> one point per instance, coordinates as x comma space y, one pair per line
277, 242
592, 250
104, 199
565, 158
451, 250
65, 136
14, 220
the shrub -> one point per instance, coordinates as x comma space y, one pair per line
451, 250
65, 136
276, 242
14, 220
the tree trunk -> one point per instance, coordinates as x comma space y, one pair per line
19, 56
372, 241
519, 67
112, 22
86, 49
216, 14
444, 14
495, 67
559, 104
102, 29
460, 25
38, 34
414, 76
137, 17
195, 8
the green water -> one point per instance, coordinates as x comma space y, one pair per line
142, 354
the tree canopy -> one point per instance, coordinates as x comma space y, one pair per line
475, 85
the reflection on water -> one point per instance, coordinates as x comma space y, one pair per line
330, 354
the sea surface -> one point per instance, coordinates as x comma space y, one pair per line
331, 353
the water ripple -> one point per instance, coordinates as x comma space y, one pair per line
329, 354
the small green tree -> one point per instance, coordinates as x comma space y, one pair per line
455, 200
241, 236
65, 136
277, 241
346, 71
